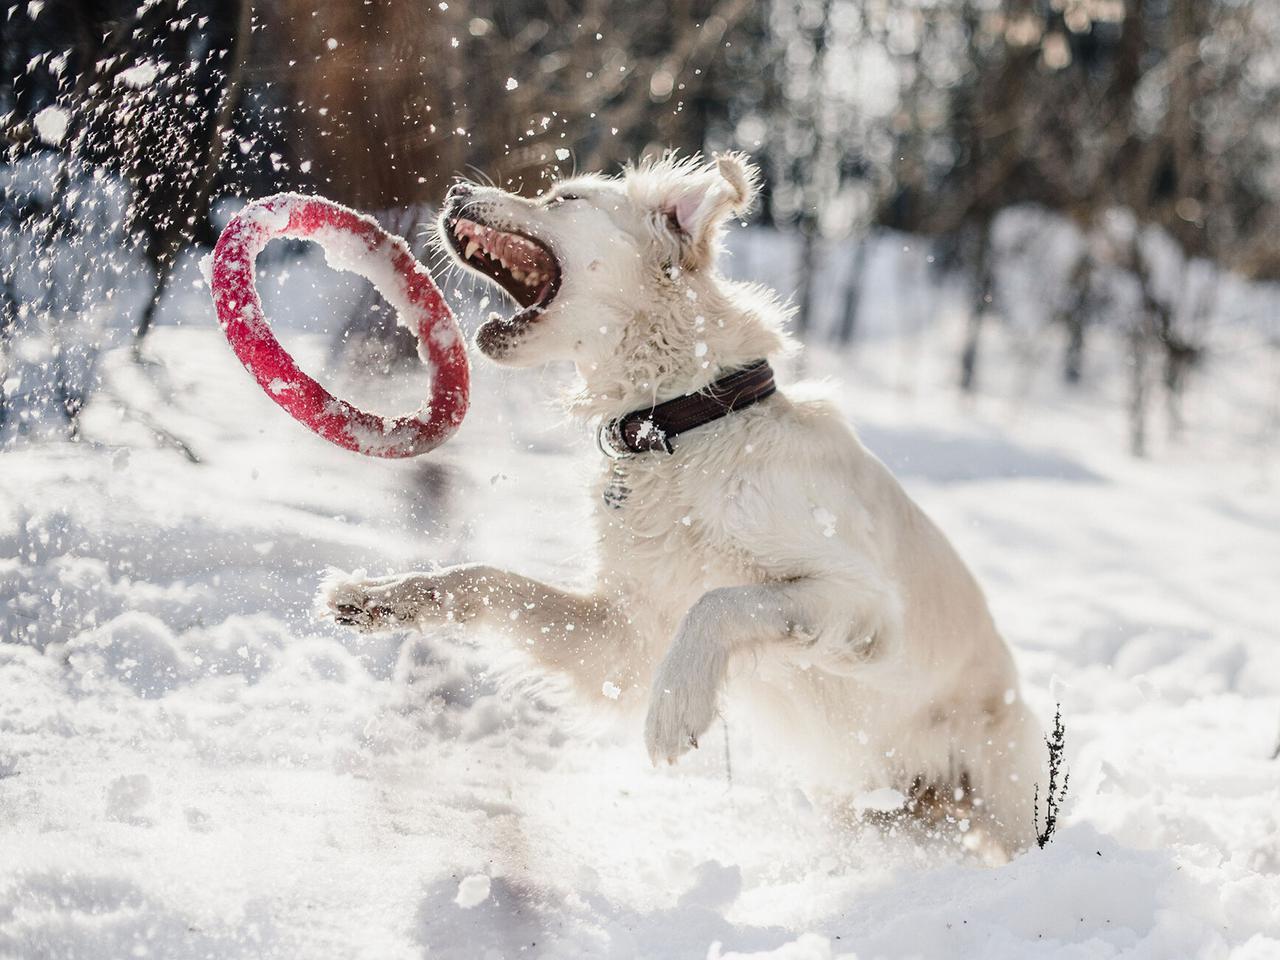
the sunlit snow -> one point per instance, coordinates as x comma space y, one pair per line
51, 124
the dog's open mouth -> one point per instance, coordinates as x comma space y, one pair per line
524, 267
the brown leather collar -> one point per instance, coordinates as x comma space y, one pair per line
645, 430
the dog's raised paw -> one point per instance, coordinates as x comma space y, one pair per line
678, 715
370, 605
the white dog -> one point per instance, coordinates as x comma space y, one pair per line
763, 557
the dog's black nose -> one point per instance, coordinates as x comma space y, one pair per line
460, 191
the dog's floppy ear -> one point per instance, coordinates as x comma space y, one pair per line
697, 204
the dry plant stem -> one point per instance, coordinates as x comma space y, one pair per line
1055, 795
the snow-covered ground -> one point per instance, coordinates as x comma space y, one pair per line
192, 766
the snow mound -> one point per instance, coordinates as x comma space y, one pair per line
134, 649
191, 765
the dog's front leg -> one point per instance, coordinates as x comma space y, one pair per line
579, 634
837, 624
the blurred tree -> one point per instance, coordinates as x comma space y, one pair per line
395, 99
180, 151
934, 117
145, 90
1164, 109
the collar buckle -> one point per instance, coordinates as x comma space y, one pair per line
610, 440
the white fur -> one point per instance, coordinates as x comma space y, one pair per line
771, 565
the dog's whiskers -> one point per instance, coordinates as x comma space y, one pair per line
484, 177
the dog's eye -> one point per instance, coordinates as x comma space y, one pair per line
563, 197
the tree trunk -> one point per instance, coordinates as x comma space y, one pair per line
848, 323
8, 323
1138, 387
1073, 362
181, 226
804, 308
1075, 319
1182, 347
981, 302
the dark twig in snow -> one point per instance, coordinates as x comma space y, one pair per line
164, 436
1056, 794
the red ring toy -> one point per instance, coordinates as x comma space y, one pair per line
355, 243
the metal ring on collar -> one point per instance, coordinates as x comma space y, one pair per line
609, 440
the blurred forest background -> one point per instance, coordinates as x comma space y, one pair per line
1072, 165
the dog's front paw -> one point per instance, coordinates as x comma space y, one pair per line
373, 604
680, 710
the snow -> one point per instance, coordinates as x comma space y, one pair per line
885, 799
141, 74
51, 125
472, 891
191, 765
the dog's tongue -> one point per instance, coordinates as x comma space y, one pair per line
518, 253
521, 255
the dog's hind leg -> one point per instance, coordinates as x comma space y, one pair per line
581, 635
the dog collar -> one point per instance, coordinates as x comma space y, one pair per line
647, 430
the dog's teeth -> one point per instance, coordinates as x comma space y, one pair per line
518, 275
472, 247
